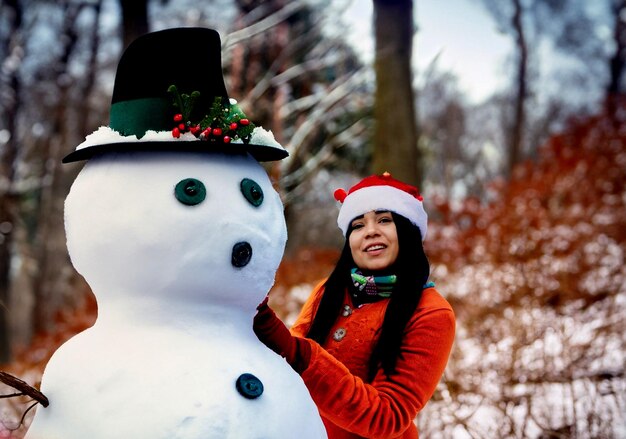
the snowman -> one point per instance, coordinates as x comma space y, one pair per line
177, 229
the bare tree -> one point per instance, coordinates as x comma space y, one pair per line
571, 30
521, 90
296, 81
134, 19
395, 136
443, 133
617, 62
581, 35
46, 108
13, 51
511, 16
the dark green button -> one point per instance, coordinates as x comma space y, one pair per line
252, 191
190, 191
249, 386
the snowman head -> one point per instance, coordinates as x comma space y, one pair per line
194, 227
173, 203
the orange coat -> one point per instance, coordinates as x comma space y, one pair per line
336, 376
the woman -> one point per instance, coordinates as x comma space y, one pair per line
372, 341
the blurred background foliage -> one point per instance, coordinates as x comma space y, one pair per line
525, 190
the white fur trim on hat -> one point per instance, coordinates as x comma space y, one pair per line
388, 198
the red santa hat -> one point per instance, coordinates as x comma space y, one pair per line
381, 192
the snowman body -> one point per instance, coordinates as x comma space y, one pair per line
172, 353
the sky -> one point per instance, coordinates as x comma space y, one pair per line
459, 34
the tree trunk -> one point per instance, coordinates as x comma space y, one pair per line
8, 156
54, 271
519, 112
134, 19
618, 61
395, 135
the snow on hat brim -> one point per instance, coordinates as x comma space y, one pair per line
263, 146
375, 198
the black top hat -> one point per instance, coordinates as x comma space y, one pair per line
171, 82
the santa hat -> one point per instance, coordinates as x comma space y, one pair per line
381, 192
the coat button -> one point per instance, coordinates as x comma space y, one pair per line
346, 311
339, 334
249, 386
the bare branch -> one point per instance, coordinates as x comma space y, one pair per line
324, 156
273, 79
24, 387
327, 101
262, 25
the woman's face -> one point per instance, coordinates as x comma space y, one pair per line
374, 240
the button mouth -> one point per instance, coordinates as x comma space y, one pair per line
249, 386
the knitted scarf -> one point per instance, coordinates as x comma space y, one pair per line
370, 288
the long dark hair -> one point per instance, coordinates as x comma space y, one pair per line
412, 270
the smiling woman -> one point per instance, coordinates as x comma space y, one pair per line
372, 341
374, 241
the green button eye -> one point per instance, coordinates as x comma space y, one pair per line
252, 191
190, 191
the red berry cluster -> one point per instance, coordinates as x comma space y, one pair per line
183, 127
208, 133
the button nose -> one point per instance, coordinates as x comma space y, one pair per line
242, 253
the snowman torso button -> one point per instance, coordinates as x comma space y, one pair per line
339, 334
346, 311
249, 386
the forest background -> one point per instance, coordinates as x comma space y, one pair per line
525, 190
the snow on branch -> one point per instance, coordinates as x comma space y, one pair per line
262, 25
341, 89
324, 156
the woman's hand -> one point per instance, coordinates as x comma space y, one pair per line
275, 335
